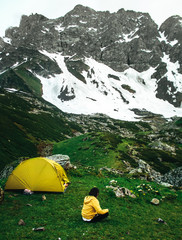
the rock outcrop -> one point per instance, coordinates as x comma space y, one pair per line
63, 160
174, 177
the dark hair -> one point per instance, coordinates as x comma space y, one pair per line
94, 192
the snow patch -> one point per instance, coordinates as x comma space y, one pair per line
84, 22
128, 37
172, 72
11, 90
164, 38
146, 50
7, 40
72, 26
59, 28
105, 95
92, 29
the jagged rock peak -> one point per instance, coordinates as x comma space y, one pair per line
27, 23
133, 13
172, 28
80, 9
32, 19
171, 21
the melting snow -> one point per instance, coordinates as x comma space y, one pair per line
92, 29
59, 28
164, 38
11, 89
128, 37
72, 26
106, 92
7, 40
172, 72
83, 22
146, 50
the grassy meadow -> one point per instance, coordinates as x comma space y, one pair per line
129, 218
60, 214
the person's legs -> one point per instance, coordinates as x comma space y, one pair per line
99, 217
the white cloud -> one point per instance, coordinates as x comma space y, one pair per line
12, 10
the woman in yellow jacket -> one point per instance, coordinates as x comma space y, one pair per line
91, 211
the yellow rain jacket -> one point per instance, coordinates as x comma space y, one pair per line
91, 207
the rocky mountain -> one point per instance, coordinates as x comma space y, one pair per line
120, 64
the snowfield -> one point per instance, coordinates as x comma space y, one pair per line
107, 91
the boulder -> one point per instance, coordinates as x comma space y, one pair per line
145, 168
21, 222
155, 201
174, 177
162, 146
63, 160
121, 191
113, 182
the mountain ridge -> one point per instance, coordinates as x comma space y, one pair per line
122, 42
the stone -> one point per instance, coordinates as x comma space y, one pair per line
113, 182
160, 220
166, 184
111, 170
38, 229
63, 160
121, 191
21, 222
145, 168
28, 204
162, 146
155, 201
43, 197
173, 177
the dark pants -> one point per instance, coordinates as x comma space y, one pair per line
99, 217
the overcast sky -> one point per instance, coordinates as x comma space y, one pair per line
12, 10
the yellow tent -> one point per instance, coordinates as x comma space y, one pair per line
38, 174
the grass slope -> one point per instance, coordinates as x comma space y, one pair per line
111, 150
60, 214
26, 124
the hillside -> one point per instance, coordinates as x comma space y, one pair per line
28, 125
114, 151
59, 214
31, 126
105, 149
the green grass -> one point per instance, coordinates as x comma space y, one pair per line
30, 80
84, 150
22, 130
179, 122
60, 214
107, 149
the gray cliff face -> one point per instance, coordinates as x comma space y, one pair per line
120, 40
171, 46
